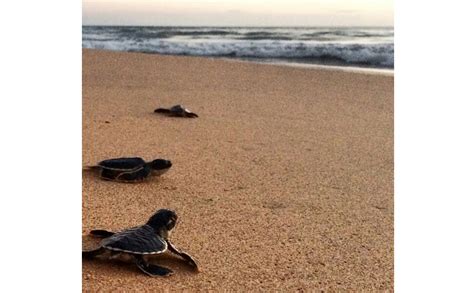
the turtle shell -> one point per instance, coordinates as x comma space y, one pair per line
122, 164
138, 240
138, 174
179, 110
124, 169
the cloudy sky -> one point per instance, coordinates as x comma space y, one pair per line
239, 12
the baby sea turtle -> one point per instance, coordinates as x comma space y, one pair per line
177, 111
151, 238
130, 169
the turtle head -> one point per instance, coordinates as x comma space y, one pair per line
163, 221
160, 165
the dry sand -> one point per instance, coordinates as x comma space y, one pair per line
284, 182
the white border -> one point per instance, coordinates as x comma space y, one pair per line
40, 212
434, 147
40, 195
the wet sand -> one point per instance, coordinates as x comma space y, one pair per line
284, 182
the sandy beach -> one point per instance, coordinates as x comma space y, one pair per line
284, 182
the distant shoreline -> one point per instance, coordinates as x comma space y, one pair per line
355, 69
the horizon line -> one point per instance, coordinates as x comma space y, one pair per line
247, 26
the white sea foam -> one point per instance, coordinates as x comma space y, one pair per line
370, 47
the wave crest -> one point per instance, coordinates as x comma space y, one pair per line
377, 55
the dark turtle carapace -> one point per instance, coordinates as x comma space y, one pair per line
130, 169
151, 238
177, 111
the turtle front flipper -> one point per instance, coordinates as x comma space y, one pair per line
92, 253
184, 255
101, 233
151, 269
191, 115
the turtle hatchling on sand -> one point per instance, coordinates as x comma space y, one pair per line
148, 239
130, 169
177, 111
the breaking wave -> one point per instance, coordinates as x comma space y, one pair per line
336, 46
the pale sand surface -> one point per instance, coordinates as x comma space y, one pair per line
284, 182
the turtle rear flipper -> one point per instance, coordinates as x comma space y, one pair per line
151, 269
163, 110
184, 255
91, 168
101, 233
92, 253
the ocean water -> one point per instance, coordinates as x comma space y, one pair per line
353, 46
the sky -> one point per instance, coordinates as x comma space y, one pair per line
238, 12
